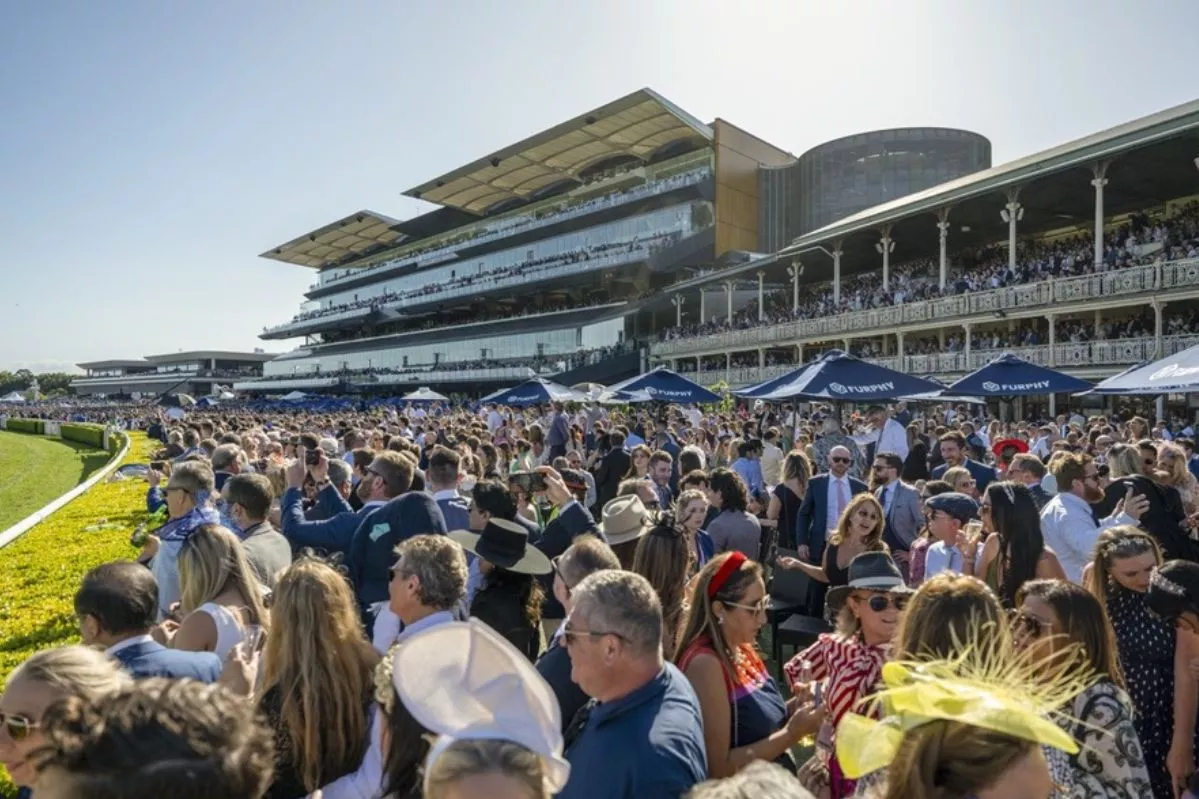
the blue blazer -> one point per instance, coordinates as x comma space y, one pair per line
152, 659
982, 474
456, 512
812, 522
332, 534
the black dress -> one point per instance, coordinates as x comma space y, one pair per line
1146, 645
788, 515
288, 784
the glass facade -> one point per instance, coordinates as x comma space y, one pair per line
845, 176
546, 344
461, 276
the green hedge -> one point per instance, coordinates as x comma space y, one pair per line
90, 434
35, 426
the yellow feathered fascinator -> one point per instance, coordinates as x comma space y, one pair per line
1010, 699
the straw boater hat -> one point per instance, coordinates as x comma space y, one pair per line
623, 520
464, 681
506, 544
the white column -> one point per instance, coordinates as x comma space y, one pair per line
1012, 213
728, 295
1158, 329
943, 260
799, 353
884, 246
837, 271
1052, 339
761, 358
1099, 170
899, 344
1098, 322
967, 327
703, 306
794, 271
761, 297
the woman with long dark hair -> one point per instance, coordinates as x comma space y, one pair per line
1015, 552
665, 557
1065, 629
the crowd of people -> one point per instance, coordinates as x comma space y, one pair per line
469, 601
523, 272
1169, 239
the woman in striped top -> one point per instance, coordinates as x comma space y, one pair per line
745, 717
850, 660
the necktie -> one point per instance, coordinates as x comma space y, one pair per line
842, 501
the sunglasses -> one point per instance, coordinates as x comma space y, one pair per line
1031, 625
880, 602
758, 607
17, 726
569, 635
839, 460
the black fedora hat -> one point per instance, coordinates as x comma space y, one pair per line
506, 544
869, 571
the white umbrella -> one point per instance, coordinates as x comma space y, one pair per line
424, 394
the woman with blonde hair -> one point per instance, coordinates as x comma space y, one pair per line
471, 768
860, 529
744, 715
690, 512
944, 615
1158, 681
220, 596
961, 480
787, 496
318, 679
1172, 471
43, 679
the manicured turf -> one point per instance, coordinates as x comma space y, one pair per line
35, 470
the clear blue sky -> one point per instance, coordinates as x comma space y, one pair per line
149, 150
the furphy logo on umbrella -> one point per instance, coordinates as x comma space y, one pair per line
841, 388
1174, 370
990, 386
511, 398
665, 392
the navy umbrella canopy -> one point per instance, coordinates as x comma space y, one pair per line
1010, 376
836, 375
660, 385
534, 392
1174, 374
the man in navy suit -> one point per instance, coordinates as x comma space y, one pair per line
827, 496
441, 480
117, 605
388, 476
953, 449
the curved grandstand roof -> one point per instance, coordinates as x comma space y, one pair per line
637, 125
356, 235
1080, 152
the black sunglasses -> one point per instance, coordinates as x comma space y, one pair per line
18, 726
839, 460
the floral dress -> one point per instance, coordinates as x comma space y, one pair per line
1109, 763
1146, 645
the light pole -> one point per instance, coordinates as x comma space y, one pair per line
1012, 213
793, 272
677, 302
886, 246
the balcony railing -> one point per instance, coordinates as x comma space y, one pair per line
1116, 352
1056, 291
454, 376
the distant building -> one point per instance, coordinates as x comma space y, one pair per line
181, 372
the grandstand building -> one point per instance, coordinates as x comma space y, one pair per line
197, 373
545, 257
1084, 257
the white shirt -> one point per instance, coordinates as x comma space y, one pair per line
943, 558
893, 438
494, 421
1070, 531
772, 464
128, 642
831, 522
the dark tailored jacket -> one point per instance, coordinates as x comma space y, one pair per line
152, 659
572, 521
982, 474
1162, 519
332, 534
371, 552
608, 473
812, 522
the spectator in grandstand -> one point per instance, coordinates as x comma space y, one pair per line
35, 686
614, 637
248, 498
189, 495
117, 604
158, 737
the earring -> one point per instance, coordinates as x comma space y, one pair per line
720, 619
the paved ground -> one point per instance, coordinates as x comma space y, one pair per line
34, 470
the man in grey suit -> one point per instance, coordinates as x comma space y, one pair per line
902, 508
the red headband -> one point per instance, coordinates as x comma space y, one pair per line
734, 561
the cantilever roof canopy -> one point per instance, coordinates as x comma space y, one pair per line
637, 125
352, 237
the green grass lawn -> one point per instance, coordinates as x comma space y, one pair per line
35, 470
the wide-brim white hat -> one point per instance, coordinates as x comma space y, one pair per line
464, 681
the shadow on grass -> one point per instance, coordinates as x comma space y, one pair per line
90, 460
51, 631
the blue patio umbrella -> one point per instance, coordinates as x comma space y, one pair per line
660, 385
836, 375
1010, 376
533, 392
1174, 374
